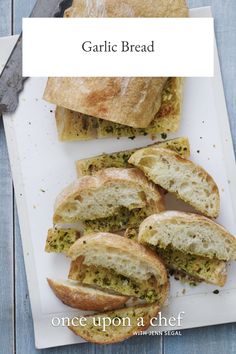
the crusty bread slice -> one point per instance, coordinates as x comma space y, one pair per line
109, 256
111, 281
60, 240
85, 298
185, 179
110, 193
120, 159
189, 233
73, 125
124, 324
212, 271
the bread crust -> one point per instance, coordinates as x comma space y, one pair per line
109, 244
147, 312
86, 298
115, 99
186, 218
127, 177
169, 155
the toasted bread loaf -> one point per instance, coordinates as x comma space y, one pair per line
117, 263
189, 233
120, 159
124, 324
185, 179
112, 193
73, 125
60, 240
85, 298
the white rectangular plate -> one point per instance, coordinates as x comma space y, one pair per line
42, 166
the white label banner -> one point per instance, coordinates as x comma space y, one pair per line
118, 47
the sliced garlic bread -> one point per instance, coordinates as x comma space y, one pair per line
112, 200
118, 264
190, 233
185, 179
60, 240
124, 324
73, 125
212, 271
85, 298
120, 159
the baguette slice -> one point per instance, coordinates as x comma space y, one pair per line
109, 257
120, 159
185, 179
93, 330
72, 125
85, 298
190, 233
60, 240
113, 196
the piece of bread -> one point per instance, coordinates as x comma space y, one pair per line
73, 125
188, 181
118, 264
104, 98
212, 271
120, 159
85, 298
115, 99
189, 233
124, 324
112, 199
60, 240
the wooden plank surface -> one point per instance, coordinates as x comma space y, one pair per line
6, 221
212, 339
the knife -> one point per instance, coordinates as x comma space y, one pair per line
11, 80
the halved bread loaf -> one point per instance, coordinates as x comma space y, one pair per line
112, 200
73, 125
124, 324
120, 159
190, 233
131, 101
60, 240
185, 179
85, 298
118, 264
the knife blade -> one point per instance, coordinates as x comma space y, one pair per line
11, 80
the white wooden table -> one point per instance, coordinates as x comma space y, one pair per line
16, 327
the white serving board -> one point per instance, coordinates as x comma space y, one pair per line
42, 166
